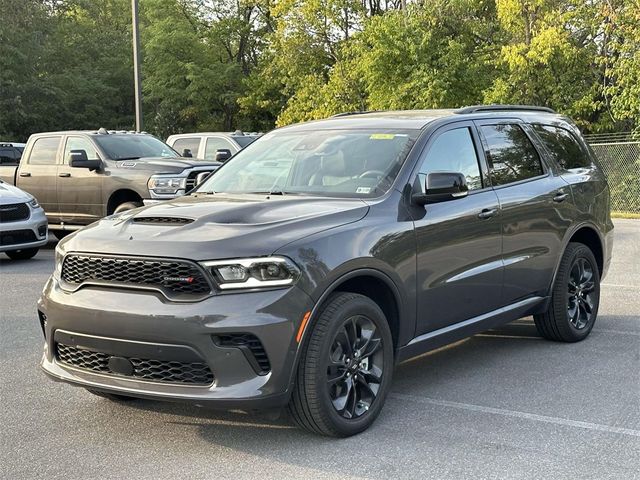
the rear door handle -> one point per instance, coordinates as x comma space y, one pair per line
560, 197
64, 174
488, 212
25, 174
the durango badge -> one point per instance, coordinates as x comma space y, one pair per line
178, 279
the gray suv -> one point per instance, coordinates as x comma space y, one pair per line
324, 253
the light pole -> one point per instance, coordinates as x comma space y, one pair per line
136, 64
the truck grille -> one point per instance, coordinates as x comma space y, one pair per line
14, 212
17, 237
192, 179
176, 279
195, 373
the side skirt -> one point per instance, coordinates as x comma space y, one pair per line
458, 331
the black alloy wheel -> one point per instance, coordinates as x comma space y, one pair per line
580, 293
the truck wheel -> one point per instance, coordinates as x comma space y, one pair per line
345, 369
23, 254
111, 396
574, 298
127, 206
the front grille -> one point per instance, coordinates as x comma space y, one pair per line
192, 179
250, 346
17, 237
195, 373
14, 212
163, 220
177, 279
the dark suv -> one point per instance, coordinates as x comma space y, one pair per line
324, 253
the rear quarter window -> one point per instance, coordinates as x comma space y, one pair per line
563, 146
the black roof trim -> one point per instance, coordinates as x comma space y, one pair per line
502, 108
359, 112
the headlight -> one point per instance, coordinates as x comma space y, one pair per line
167, 185
261, 272
33, 203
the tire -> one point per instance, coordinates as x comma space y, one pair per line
60, 234
111, 396
316, 400
127, 206
575, 297
22, 254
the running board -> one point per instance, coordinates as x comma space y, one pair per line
65, 227
457, 331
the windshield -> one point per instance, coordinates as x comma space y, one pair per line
133, 146
338, 163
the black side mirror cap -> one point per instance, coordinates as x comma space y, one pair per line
79, 160
223, 154
187, 153
442, 187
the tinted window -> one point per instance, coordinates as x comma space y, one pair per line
44, 151
133, 146
215, 143
245, 140
453, 151
79, 143
563, 146
187, 143
512, 157
9, 156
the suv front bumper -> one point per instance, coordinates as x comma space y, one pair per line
135, 324
35, 227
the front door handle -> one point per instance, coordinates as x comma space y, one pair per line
25, 174
560, 196
64, 174
488, 213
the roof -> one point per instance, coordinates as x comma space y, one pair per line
418, 119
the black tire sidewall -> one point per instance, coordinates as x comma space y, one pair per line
560, 300
22, 254
123, 207
359, 305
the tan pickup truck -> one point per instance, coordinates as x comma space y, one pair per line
81, 176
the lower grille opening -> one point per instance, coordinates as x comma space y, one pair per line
250, 345
16, 237
164, 371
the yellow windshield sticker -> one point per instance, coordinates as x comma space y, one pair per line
381, 136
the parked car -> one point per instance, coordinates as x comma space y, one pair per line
211, 145
23, 224
10, 153
81, 176
324, 253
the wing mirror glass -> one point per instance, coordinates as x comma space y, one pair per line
223, 154
442, 187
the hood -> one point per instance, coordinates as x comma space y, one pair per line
215, 227
165, 165
10, 194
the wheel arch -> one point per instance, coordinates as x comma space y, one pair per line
121, 196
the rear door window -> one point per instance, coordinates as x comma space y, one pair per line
44, 151
563, 146
192, 144
511, 155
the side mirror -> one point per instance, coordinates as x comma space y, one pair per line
187, 153
223, 154
442, 187
79, 160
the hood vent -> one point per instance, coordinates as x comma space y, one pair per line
163, 220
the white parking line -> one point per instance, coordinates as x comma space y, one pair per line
513, 413
617, 285
617, 332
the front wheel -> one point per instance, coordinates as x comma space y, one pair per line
574, 299
345, 369
22, 254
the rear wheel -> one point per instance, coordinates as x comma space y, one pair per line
22, 254
345, 370
111, 396
575, 297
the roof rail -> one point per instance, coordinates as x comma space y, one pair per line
359, 112
502, 108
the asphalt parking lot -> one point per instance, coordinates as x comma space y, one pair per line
503, 404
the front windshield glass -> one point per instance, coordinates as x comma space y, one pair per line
337, 163
133, 146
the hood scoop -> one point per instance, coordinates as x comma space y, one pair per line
169, 221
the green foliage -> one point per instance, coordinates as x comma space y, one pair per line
252, 64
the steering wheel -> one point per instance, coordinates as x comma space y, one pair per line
372, 173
